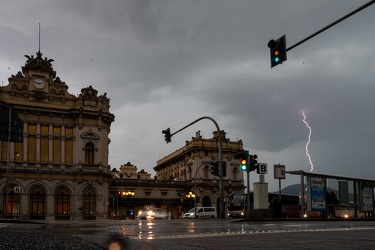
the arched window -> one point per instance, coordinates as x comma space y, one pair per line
37, 203
62, 203
12, 210
88, 208
89, 153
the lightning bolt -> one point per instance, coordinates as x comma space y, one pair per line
308, 142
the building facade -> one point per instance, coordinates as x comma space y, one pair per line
183, 179
192, 164
60, 169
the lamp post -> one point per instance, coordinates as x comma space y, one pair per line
195, 186
191, 196
128, 194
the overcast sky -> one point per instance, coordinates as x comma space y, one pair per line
167, 63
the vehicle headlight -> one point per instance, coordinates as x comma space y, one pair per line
139, 212
150, 213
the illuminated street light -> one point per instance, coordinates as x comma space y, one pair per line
128, 194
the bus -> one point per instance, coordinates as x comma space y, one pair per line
237, 204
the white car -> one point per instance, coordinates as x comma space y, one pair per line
202, 212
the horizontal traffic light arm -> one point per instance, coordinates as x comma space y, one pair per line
332, 24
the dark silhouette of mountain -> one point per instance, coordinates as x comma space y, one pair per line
294, 189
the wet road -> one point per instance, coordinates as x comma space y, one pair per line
158, 229
205, 234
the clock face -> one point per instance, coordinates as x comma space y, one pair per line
38, 83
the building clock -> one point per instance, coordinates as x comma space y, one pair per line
38, 83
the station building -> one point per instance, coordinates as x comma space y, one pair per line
60, 169
183, 179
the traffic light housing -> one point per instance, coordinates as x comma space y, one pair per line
167, 135
244, 162
277, 51
253, 163
215, 168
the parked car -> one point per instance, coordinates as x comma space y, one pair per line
202, 212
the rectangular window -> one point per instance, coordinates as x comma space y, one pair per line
4, 150
18, 151
44, 149
68, 151
56, 131
44, 130
68, 145
44, 143
31, 149
56, 150
31, 129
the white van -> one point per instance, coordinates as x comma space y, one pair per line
202, 212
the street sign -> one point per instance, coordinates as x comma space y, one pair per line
279, 171
16, 126
262, 168
17, 190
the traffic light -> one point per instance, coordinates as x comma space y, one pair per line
253, 163
277, 50
243, 162
167, 134
215, 168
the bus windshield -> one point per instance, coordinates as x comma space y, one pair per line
237, 200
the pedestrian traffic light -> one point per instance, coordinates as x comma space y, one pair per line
253, 163
277, 51
243, 162
215, 168
167, 134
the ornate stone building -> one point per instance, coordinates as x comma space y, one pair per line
192, 164
60, 169
186, 170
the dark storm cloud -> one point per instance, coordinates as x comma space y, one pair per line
166, 63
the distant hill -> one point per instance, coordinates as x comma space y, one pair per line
292, 189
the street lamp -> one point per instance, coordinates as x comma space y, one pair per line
191, 196
195, 186
128, 194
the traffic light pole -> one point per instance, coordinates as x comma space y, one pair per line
248, 193
332, 24
221, 186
